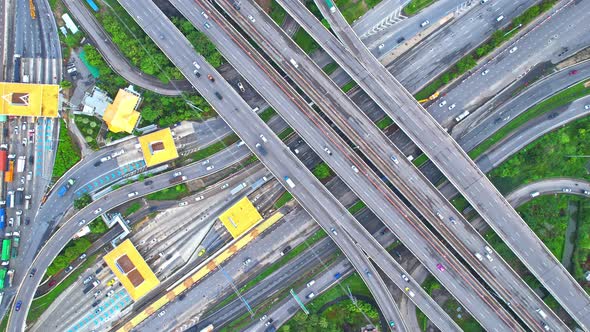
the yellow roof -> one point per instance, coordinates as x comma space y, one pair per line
121, 114
240, 217
158, 147
130, 268
23, 99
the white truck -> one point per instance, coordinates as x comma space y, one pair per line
289, 182
20, 164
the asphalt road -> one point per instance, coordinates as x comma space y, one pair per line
419, 191
544, 41
456, 166
306, 126
111, 53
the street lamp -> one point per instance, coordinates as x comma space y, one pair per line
516, 27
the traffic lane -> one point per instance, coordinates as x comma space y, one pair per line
263, 128
433, 55
338, 163
470, 239
54, 245
569, 186
474, 129
478, 187
517, 57
534, 129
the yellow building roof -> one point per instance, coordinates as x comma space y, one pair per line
240, 217
23, 99
131, 270
121, 114
158, 147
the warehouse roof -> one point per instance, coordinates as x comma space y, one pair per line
24, 99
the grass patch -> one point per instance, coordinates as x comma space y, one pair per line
322, 171
267, 114
285, 197
39, 305
170, 194
134, 207
353, 9
89, 126
552, 155
277, 13
285, 133
416, 5
498, 38
214, 148
356, 207
561, 98
465, 321
420, 160
67, 154
581, 254
348, 86
304, 40
384, 123
460, 203
330, 68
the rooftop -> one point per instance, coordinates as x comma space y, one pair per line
23, 99
158, 147
121, 114
131, 269
240, 217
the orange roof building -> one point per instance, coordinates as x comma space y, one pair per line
24, 99
121, 114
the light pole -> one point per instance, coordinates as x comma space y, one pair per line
516, 27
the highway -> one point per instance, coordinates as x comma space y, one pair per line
184, 61
113, 56
450, 159
368, 192
418, 190
513, 60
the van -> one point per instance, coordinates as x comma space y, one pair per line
479, 256
310, 283
535, 194
255, 109
499, 18
207, 16
541, 312
294, 63
196, 65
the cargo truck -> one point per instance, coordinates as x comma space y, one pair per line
330, 6
27, 202
177, 179
20, 165
9, 175
2, 219
3, 157
289, 182
10, 275
238, 188
65, 187
19, 196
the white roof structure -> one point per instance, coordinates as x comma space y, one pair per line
69, 23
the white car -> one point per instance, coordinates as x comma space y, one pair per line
405, 277
182, 203
161, 313
263, 318
81, 222
587, 107
132, 194
484, 73
210, 167
327, 150
177, 173
512, 50
452, 106
241, 86
97, 211
251, 18
199, 198
425, 23
442, 103
205, 162
356, 170
381, 46
263, 138
333, 230
310, 283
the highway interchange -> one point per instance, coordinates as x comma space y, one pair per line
281, 162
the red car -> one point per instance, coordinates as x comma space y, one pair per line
440, 267
52, 283
573, 72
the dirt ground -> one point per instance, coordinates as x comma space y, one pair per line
264, 4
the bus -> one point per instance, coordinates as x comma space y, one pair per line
2, 277
330, 6
208, 328
6, 243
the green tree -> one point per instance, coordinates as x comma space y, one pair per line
322, 171
97, 226
65, 84
83, 201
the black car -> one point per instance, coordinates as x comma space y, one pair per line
400, 39
95, 303
27, 221
148, 182
286, 250
33, 271
96, 164
218, 95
